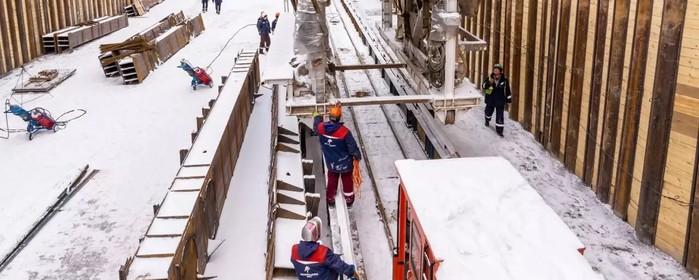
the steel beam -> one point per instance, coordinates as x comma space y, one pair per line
367, 66
301, 107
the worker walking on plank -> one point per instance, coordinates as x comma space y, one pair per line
341, 154
218, 6
313, 260
497, 95
264, 29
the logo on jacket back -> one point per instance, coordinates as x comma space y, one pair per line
306, 273
330, 143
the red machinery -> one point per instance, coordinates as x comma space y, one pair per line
198, 74
477, 218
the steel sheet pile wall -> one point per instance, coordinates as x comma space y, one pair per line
175, 244
610, 87
23, 22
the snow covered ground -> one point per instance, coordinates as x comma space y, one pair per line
131, 133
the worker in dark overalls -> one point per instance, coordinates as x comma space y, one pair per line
218, 6
204, 5
497, 94
263, 28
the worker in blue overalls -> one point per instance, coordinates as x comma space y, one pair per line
340, 152
313, 260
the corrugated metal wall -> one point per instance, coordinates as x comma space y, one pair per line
610, 87
22, 22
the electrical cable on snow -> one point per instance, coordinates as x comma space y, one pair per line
226, 45
60, 123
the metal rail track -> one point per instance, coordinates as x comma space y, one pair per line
361, 138
399, 83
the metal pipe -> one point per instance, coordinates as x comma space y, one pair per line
450, 50
387, 14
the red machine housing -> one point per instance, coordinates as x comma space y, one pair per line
414, 259
202, 76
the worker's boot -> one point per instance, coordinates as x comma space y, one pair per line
499, 130
487, 122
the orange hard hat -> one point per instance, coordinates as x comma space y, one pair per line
335, 112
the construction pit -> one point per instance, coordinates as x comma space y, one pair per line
160, 179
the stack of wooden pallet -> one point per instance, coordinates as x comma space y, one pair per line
74, 36
135, 9
148, 4
140, 7
135, 58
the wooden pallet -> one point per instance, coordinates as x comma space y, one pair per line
135, 9
45, 86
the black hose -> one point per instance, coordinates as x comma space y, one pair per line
227, 42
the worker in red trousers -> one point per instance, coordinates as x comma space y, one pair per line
340, 152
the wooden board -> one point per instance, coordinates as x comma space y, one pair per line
550, 71
678, 183
541, 71
660, 119
482, 72
645, 112
530, 65
39, 87
517, 59
576, 85
507, 35
586, 88
559, 91
632, 110
497, 32
487, 28
692, 248
613, 99
603, 94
